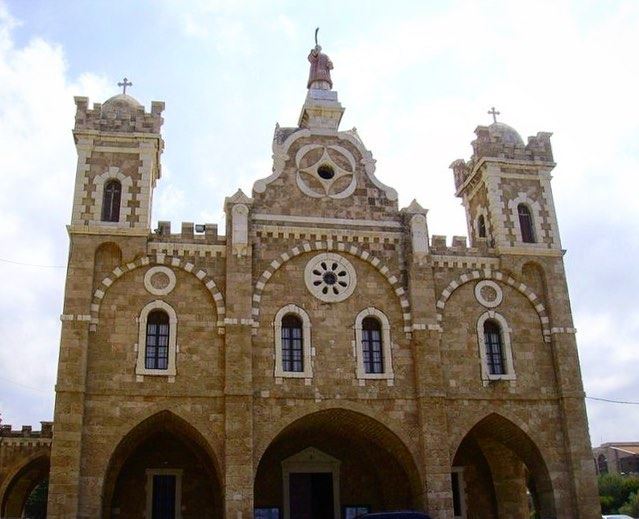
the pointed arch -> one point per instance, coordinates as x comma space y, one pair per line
522, 288
158, 259
166, 422
330, 245
496, 442
20, 481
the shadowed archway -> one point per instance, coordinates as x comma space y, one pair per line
503, 472
162, 446
372, 467
21, 484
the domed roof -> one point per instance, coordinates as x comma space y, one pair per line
121, 101
507, 134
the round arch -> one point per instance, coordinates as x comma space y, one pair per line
333, 246
158, 259
357, 443
522, 288
20, 482
163, 424
501, 460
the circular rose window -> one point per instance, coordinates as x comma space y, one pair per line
159, 280
488, 293
330, 277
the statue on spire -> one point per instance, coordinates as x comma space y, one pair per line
319, 76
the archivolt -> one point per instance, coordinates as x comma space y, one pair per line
332, 246
504, 278
158, 259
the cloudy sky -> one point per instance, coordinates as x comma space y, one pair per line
416, 79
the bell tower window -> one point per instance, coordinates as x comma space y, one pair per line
481, 226
111, 201
494, 348
157, 340
526, 224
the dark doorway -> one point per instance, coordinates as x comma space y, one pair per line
163, 497
311, 495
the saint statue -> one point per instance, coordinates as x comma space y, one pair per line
320, 74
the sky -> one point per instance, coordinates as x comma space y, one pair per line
416, 79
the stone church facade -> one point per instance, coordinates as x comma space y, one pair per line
325, 355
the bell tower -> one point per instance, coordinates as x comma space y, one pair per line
119, 147
505, 189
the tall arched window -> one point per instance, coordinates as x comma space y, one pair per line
373, 345
481, 226
372, 348
292, 344
111, 201
494, 349
526, 224
156, 355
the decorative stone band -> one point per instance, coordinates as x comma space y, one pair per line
330, 245
159, 259
477, 275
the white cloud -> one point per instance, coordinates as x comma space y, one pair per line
36, 181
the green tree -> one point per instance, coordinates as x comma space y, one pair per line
631, 507
615, 490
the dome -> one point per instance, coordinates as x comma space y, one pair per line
507, 134
121, 101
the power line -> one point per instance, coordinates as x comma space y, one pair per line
25, 386
32, 264
611, 401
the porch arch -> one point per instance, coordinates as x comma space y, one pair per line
20, 482
148, 446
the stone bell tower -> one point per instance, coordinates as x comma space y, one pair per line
505, 189
119, 147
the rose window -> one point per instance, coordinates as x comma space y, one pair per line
330, 277
488, 293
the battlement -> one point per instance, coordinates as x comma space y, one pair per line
503, 143
459, 246
188, 234
46, 431
120, 114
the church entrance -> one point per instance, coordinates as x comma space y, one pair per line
162, 469
333, 464
311, 495
498, 472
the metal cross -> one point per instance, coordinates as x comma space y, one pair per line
125, 83
494, 113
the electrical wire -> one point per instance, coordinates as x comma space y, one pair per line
32, 264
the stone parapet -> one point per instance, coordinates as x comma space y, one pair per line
26, 431
120, 114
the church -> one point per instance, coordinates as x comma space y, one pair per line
324, 355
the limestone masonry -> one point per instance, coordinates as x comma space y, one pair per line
322, 357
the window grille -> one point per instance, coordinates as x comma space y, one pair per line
292, 344
494, 348
157, 340
372, 347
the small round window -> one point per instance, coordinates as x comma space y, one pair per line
326, 172
330, 277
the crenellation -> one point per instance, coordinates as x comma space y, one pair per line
26, 431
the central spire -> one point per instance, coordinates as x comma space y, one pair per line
321, 109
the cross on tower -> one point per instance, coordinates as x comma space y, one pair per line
494, 113
125, 83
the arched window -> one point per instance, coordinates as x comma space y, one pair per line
157, 341
111, 201
372, 349
481, 226
526, 224
495, 351
494, 348
293, 349
373, 345
156, 354
292, 344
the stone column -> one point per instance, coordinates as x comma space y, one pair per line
437, 495
66, 449
238, 412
